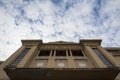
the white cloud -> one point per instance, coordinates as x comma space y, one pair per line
67, 20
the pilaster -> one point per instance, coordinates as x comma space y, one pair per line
27, 58
87, 46
108, 56
3, 75
95, 60
71, 63
51, 61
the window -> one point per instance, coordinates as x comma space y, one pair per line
77, 53
60, 52
69, 53
81, 63
103, 58
61, 63
44, 53
41, 62
20, 57
52, 53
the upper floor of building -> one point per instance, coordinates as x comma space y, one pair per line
86, 57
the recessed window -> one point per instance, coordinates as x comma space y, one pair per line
41, 63
68, 53
77, 53
103, 58
52, 53
44, 53
81, 63
60, 52
20, 57
61, 63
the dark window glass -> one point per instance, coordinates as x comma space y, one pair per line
103, 58
52, 53
44, 53
77, 53
68, 53
60, 53
20, 57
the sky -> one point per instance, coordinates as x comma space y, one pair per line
58, 20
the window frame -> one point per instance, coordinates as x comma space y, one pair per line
61, 55
70, 51
43, 55
62, 60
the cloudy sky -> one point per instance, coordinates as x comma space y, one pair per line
54, 20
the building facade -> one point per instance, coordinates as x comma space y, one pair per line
1, 62
86, 60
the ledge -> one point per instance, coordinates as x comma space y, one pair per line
62, 73
31, 42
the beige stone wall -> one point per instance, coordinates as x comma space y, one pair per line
3, 75
116, 54
86, 45
1, 62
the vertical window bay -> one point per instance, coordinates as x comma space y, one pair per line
103, 58
20, 57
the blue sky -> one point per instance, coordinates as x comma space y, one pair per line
58, 20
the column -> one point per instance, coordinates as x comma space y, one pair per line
27, 58
71, 63
3, 75
95, 60
108, 56
51, 60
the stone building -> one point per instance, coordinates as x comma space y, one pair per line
86, 60
1, 62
